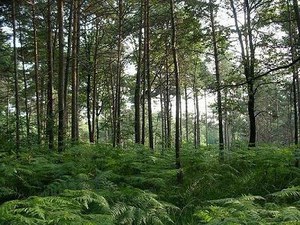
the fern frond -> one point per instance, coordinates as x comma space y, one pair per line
288, 194
87, 198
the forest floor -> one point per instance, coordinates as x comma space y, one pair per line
101, 185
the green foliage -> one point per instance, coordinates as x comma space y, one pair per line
83, 185
100, 185
72, 207
247, 210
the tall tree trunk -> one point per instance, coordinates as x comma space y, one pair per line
16, 77
296, 138
226, 122
98, 112
137, 94
295, 76
186, 114
178, 96
297, 16
117, 108
168, 114
162, 114
8, 95
50, 116
147, 71
112, 109
36, 74
206, 119
75, 52
25, 90
95, 84
198, 133
61, 77
88, 94
143, 106
251, 75
248, 64
68, 60
217, 70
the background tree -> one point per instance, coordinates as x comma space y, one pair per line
61, 77
16, 75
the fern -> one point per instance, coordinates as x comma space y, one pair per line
247, 210
72, 207
290, 194
139, 207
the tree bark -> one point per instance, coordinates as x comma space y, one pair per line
206, 119
68, 60
50, 116
168, 114
147, 72
88, 93
25, 90
198, 133
186, 114
143, 107
295, 75
248, 64
61, 77
162, 114
137, 94
95, 84
218, 81
117, 108
251, 92
16, 78
36, 74
178, 96
75, 52
297, 16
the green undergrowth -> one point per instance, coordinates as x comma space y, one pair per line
96, 184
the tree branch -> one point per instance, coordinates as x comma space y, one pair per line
263, 74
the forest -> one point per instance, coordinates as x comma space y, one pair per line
149, 112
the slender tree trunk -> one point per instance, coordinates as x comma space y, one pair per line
217, 70
137, 94
95, 84
198, 133
251, 91
168, 116
206, 119
296, 140
98, 112
251, 113
186, 114
50, 116
143, 108
147, 71
297, 16
16, 77
36, 74
226, 123
295, 77
178, 96
248, 64
88, 95
162, 114
195, 114
117, 108
61, 77
25, 90
68, 60
75, 52
8, 94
